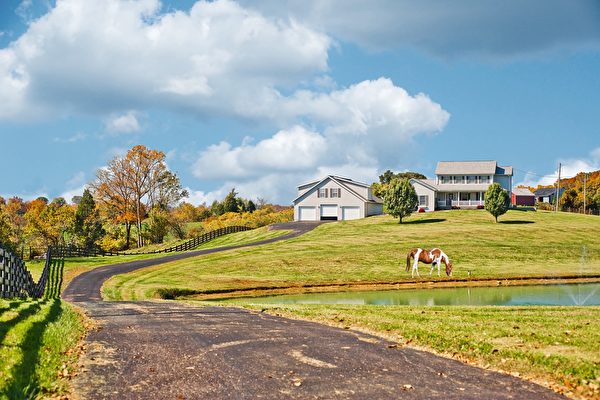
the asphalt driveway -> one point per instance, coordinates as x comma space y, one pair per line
166, 350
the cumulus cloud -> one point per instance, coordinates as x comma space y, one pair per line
295, 149
126, 123
570, 168
450, 29
360, 128
103, 57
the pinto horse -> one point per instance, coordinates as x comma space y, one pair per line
433, 257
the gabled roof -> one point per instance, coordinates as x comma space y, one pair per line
504, 170
343, 182
545, 192
465, 167
337, 179
522, 192
471, 168
428, 183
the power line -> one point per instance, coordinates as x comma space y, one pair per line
554, 175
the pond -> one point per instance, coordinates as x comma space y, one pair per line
543, 295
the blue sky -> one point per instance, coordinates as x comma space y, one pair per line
264, 95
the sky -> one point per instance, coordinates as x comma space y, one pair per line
262, 96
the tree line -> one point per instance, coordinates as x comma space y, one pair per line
135, 200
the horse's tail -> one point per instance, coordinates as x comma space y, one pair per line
408, 256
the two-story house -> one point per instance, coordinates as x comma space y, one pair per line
335, 198
461, 184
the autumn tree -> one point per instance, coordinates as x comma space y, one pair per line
115, 194
400, 198
48, 224
15, 212
496, 200
134, 184
5, 229
88, 225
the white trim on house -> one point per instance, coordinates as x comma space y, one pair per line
345, 198
461, 184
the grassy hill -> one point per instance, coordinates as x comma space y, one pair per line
373, 250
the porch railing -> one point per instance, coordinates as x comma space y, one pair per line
460, 203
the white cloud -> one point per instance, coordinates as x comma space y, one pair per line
295, 149
363, 128
126, 123
570, 168
79, 136
69, 194
86, 56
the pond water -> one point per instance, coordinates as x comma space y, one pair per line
542, 295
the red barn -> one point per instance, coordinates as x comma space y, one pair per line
522, 197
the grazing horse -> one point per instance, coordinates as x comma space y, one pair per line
433, 257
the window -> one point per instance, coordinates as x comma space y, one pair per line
471, 179
446, 179
335, 192
423, 201
322, 192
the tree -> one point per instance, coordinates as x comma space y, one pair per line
48, 223
388, 176
497, 200
87, 226
15, 211
135, 183
230, 203
5, 229
400, 198
115, 194
158, 224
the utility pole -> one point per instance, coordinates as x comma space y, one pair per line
584, 191
558, 186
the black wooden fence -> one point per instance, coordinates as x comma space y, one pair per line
16, 280
73, 251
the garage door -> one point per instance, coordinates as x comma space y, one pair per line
349, 213
329, 211
307, 213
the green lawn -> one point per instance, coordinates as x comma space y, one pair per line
38, 348
558, 347
77, 265
373, 250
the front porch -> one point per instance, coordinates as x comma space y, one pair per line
460, 199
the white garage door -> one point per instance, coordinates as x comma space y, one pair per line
349, 213
329, 211
307, 213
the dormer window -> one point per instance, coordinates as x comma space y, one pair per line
322, 192
335, 192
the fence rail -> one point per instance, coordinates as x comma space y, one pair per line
73, 251
16, 279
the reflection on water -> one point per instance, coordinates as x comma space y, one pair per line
559, 295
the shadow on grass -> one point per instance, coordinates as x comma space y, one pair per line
10, 305
24, 383
516, 222
424, 221
22, 315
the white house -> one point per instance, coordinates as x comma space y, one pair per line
461, 184
335, 198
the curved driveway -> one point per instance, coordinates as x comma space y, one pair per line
165, 350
